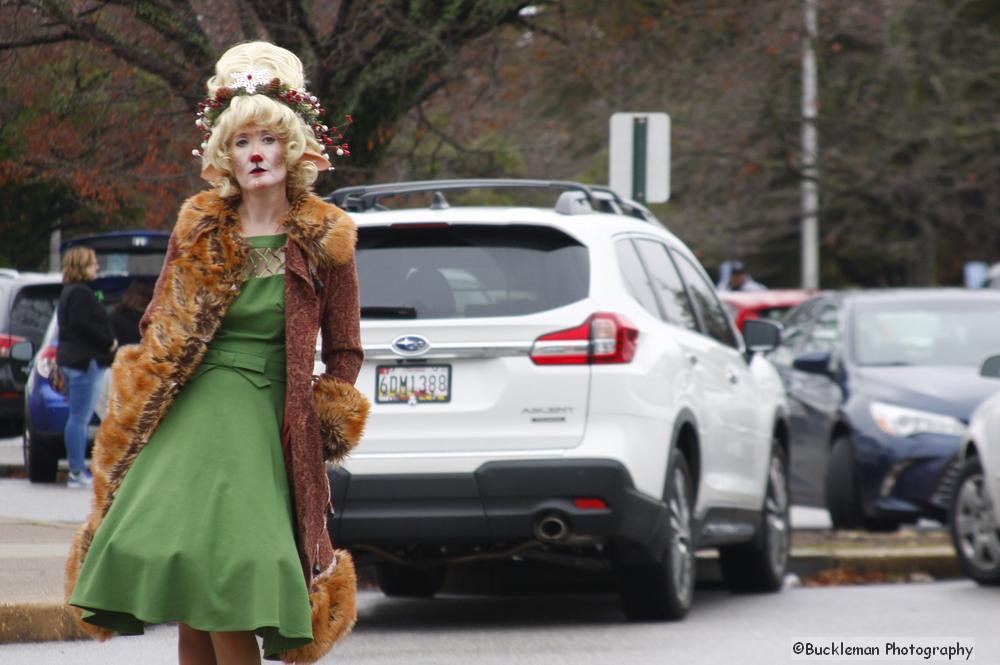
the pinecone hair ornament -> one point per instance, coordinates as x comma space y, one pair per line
261, 82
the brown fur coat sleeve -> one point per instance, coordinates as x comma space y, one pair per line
342, 410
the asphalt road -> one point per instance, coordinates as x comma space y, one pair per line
722, 628
56, 503
588, 630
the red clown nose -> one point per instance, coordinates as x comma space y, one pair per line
255, 158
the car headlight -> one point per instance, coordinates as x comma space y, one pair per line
902, 422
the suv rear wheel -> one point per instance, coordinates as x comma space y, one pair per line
664, 590
9, 427
40, 458
760, 565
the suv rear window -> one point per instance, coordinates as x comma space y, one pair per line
468, 271
32, 309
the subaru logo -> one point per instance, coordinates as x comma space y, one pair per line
410, 345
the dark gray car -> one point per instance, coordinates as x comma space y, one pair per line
27, 301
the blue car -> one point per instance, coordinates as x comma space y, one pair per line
881, 385
123, 256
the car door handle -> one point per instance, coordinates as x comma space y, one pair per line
692, 359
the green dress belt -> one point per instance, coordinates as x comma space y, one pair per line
258, 370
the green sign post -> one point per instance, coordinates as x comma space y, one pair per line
639, 156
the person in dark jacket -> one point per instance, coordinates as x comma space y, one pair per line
127, 313
86, 346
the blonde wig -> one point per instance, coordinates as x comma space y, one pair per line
75, 263
244, 110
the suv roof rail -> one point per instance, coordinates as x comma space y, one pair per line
362, 198
601, 198
626, 206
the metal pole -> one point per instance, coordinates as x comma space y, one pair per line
810, 153
55, 259
639, 134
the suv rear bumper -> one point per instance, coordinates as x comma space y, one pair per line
500, 502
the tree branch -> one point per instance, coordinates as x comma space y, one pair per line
278, 23
447, 139
176, 24
302, 21
176, 76
551, 34
36, 41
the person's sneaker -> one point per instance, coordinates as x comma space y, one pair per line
79, 479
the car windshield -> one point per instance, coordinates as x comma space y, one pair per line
928, 333
468, 271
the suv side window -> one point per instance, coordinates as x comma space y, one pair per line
797, 327
825, 333
667, 283
703, 297
636, 280
800, 316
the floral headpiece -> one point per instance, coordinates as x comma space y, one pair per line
261, 82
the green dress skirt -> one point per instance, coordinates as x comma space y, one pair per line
201, 531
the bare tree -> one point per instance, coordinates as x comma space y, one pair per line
373, 59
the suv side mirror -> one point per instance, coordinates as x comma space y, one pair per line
761, 335
991, 367
813, 362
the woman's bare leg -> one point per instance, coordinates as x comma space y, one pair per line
236, 648
194, 647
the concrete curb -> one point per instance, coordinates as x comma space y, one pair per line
937, 562
37, 622
12, 471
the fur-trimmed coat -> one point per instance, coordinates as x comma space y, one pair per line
203, 272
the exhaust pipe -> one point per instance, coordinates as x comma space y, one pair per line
551, 529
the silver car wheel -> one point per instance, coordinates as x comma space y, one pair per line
682, 561
976, 525
776, 515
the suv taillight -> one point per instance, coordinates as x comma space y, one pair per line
46, 361
604, 338
7, 341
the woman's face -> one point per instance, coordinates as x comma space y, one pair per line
258, 158
92, 269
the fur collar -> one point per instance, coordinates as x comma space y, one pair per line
324, 233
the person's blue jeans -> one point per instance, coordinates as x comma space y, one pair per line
82, 396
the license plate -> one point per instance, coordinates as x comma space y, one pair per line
412, 384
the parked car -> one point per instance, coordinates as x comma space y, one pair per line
993, 277
123, 256
27, 301
974, 518
769, 305
881, 385
561, 385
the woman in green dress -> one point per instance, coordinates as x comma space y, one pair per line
210, 486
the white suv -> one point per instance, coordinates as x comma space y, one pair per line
560, 384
